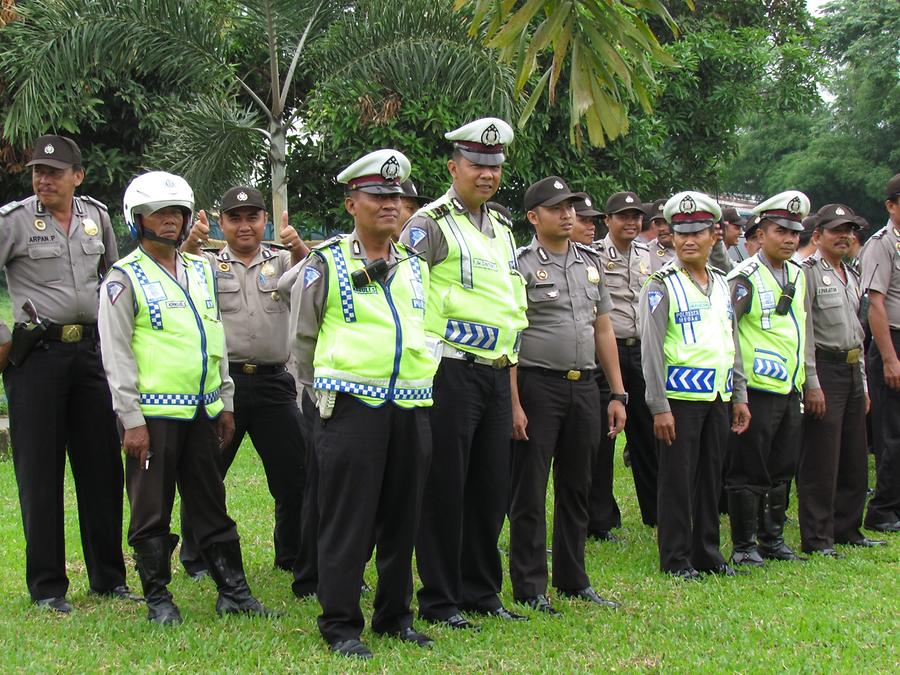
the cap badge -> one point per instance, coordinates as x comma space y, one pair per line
687, 205
629, 199
661, 207
491, 135
90, 227
794, 205
593, 275
826, 280
541, 274
839, 211
390, 169
558, 185
40, 225
49, 149
169, 183
242, 196
587, 202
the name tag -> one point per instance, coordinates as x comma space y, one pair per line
687, 317
369, 289
826, 290
702, 304
485, 264
176, 304
154, 292
767, 299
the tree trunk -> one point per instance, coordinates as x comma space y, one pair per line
277, 158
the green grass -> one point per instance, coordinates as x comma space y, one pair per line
822, 616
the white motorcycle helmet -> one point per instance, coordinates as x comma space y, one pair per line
152, 191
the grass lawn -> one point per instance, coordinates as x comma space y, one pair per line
822, 616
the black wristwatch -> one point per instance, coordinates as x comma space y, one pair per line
622, 398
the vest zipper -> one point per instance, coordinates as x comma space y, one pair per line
398, 344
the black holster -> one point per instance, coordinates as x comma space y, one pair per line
25, 337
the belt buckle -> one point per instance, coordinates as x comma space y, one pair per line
853, 356
71, 333
573, 375
499, 363
248, 369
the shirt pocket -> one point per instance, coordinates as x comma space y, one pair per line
229, 295
47, 261
830, 308
93, 249
270, 298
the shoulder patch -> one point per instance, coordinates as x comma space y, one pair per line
653, 299
96, 202
6, 209
416, 234
502, 218
741, 292
310, 276
114, 290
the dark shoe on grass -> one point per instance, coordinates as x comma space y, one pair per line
590, 595
352, 649
540, 603
456, 622
57, 604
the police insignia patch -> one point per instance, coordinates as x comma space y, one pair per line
491, 135
90, 227
593, 274
49, 149
310, 276
390, 169
114, 290
416, 234
653, 299
794, 205
740, 292
687, 205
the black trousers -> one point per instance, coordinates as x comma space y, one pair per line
832, 476
690, 482
603, 510
185, 453
372, 464
641, 448
563, 428
884, 507
467, 491
265, 406
766, 454
306, 564
59, 404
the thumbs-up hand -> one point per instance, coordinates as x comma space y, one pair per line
291, 240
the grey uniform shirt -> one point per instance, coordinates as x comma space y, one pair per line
741, 298
116, 325
308, 296
660, 256
626, 271
565, 295
59, 273
433, 245
719, 257
881, 270
654, 324
256, 315
834, 313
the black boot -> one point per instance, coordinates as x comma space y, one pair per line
153, 559
227, 569
772, 516
742, 513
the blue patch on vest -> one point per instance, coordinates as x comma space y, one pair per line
691, 380
471, 334
688, 316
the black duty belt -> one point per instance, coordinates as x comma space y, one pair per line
628, 342
850, 356
71, 332
571, 375
255, 369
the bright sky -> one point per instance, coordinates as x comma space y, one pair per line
814, 5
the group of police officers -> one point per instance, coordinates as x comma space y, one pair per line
443, 373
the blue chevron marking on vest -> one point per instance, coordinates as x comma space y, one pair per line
729, 381
156, 322
471, 334
691, 380
345, 289
770, 368
372, 391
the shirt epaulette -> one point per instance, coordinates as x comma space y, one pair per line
794, 262
587, 249
598, 245
880, 233
641, 244
521, 250
277, 247
438, 211
745, 271
6, 209
717, 270
810, 261
96, 202
664, 272
501, 217
328, 243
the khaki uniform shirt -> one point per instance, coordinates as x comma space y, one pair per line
834, 313
116, 325
59, 273
256, 315
626, 272
308, 297
565, 295
719, 257
660, 256
881, 269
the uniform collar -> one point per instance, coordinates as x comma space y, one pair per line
358, 251
457, 203
546, 258
227, 255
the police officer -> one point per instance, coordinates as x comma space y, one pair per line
832, 476
476, 312
688, 357
626, 262
584, 227
54, 247
164, 354
732, 227
881, 273
768, 294
410, 202
661, 250
361, 346
255, 316
555, 400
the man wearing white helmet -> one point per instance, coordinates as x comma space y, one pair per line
688, 360
358, 315
768, 295
164, 354
475, 317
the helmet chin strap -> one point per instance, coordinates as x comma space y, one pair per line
147, 234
